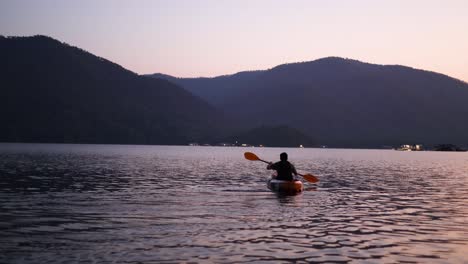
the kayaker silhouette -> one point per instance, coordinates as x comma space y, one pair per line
284, 168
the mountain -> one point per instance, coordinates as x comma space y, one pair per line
215, 90
53, 92
273, 136
345, 103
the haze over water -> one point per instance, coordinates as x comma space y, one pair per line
64, 203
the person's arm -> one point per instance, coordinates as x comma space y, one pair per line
270, 166
293, 169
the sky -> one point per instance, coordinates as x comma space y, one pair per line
192, 38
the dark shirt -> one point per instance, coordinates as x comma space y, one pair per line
285, 170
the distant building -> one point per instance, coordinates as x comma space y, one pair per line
415, 147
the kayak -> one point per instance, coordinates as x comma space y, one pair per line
285, 187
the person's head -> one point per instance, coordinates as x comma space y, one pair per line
283, 156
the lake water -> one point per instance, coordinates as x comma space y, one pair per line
169, 204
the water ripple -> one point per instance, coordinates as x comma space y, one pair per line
90, 203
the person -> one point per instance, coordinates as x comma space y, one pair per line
284, 168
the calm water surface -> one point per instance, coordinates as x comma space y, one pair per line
161, 204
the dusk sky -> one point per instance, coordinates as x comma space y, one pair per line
215, 37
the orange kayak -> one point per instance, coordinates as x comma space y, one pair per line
285, 187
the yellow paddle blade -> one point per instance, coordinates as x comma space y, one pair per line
251, 156
310, 178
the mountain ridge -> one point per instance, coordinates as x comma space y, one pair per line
346, 103
165, 75
54, 92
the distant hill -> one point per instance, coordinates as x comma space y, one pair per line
269, 136
53, 92
345, 103
215, 90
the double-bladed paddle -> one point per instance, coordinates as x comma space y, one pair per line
308, 177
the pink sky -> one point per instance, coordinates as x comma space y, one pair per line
214, 37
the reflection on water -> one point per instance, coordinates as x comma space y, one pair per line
63, 203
